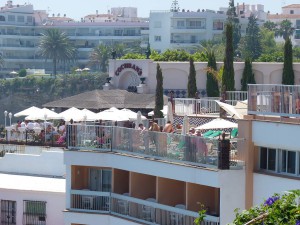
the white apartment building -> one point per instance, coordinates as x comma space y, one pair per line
186, 29
291, 13
21, 27
32, 187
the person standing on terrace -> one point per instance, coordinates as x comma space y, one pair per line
168, 127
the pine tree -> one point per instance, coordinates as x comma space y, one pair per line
159, 97
288, 76
212, 87
228, 72
248, 75
192, 86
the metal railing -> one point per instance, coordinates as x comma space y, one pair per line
236, 95
170, 147
33, 137
275, 100
190, 106
144, 211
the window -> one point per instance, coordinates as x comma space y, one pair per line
288, 161
2, 18
34, 213
196, 24
118, 32
291, 11
29, 19
268, 159
20, 19
11, 18
157, 38
218, 25
100, 180
8, 212
180, 24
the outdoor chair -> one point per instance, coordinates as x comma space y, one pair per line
234, 133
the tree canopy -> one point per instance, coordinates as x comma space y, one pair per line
288, 76
56, 45
253, 47
159, 93
192, 84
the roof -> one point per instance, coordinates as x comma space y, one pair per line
291, 6
100, 99
283, 16
32, 183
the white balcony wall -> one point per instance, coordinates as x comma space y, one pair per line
262, 184
276, 135
47, 163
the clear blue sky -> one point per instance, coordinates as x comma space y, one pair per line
77, 8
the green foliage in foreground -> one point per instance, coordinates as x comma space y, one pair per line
277, 210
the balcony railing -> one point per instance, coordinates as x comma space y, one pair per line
170, 147
144, 211
275, 100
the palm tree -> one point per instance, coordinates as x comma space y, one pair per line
100, 56
56, 45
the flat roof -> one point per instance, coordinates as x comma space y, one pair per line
32, 183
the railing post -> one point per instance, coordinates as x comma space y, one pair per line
223, 154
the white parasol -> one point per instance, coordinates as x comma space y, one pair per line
113, 114
185, 125
43, 114
131, 115
89, 115
217, 124
164, 110
27, 111
170, 113
230, 109
72, 113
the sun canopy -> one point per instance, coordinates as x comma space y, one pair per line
131, 115
218, 124
27, 111
113, 114
78, 115
164, 111
43, 114
230, 109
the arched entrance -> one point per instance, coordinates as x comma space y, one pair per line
129, 80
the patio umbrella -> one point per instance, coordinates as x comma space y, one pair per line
217, 124
73, 113
132, 115
78, 70
86, 69
230, 109
185, 125
242, 107
138, 119
164, 110
43, 114
90, 116
27, 111
170, 113
112, 114
14, 72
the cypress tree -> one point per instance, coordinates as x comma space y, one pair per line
253, 47
192, 86
228, 72
248, 76
288, 76
212, 87
159, 96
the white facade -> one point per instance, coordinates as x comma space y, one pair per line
22, 27
32, 176
176, 74
291, 13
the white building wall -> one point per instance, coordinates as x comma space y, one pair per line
94, 219
160, 25
230, 182
48, 163
265, 186
232, 194
176, 73
54, 206
276, 135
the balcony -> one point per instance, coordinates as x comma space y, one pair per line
274, 100
145, 211
168, 147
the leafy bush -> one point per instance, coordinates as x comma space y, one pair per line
279, 209
22, 73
